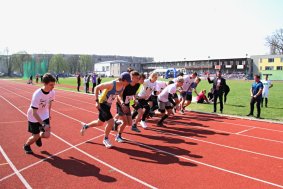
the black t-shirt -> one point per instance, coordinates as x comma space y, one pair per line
129, 92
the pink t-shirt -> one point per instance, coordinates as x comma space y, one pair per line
200, 96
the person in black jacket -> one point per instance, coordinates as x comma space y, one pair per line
226, 91
78, 82
218, 87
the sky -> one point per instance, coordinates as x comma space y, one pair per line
162, 29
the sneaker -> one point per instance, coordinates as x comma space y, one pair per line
250, 115
28, 149
143, 124
107, 143
134, 128
160, 124
182, 112
38, 142
119, 139
83, 129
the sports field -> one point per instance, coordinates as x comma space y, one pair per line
237, 103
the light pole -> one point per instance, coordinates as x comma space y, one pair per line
208, 63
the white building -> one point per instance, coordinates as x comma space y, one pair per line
102, 68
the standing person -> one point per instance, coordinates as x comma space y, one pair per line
39, 113
36, 78
41, 77
186, 97
266, 86
87, 83
218, 90
256, 96
164, 99
78, 82
57, 78
99, 80
226, 91
103, 104
30, 80
93, 78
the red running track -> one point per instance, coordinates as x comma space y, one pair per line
195, 150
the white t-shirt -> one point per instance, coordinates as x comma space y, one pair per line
147, 88
160, 85
170, 89
40, 101
266, 85
187, 82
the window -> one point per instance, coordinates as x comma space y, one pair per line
271, 60
260, 60
269, 67
281, 60
260, 68
279, 68
231, 62
244, 62
237, 62
107, 68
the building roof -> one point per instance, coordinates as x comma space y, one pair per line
112, 61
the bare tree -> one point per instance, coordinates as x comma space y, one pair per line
275, 42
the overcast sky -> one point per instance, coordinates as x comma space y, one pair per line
165, 30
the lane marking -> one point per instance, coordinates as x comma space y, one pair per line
26, 184
245, 130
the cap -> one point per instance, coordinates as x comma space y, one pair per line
126, 76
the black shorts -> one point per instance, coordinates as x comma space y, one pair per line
187, 96
175, 96
120, 111
104, 112
36, 127
142, 103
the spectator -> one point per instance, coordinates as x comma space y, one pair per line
226, 91
57, 78
218, 87
210, 95
266, 86
87, 83
201, 98
93, 82
256, 95
36, 78
78, 82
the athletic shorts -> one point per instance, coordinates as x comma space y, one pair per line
187, 96
164, 105
120, 111
142, 103
104, 112
36, 127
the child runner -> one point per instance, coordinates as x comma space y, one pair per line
104, 102
164, 99
39, 113
148, 87
186, 97
123, 104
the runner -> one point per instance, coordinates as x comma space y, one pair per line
164, 99
104, 102
186, 98
39, 113
148, 86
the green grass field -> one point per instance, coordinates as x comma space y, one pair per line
238, 98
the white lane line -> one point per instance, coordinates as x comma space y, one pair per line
15, 169
11, 122
92, 157
4, 164
245, 130
42, 160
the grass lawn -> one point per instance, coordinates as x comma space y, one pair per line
237, 101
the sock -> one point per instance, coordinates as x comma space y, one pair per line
86, 126
163, 118
119, 134
105, 138
134, 125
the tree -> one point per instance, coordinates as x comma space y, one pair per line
73, 64
275, 42
17, 61
85, 64
57, 64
